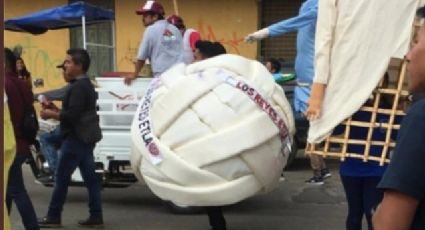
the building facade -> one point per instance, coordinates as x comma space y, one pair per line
226, 21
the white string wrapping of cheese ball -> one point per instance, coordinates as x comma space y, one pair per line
212, 133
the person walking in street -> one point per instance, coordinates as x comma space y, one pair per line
19, 96
162, 42
79, 125
204, 50
305, 24
359, 178
51, 141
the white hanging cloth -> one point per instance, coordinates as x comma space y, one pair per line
355, 40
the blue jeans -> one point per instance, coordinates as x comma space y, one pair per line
16, 191
50, 143
362, 195
75, 153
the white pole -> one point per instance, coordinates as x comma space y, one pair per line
83, 21
176, 7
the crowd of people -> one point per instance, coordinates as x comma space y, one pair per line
390, 196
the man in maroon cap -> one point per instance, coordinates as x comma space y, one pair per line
162, 42
190, 37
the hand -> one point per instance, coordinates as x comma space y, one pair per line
249, 38
313, 111
258, 35
49, 113
49, 105
42, 99
129, 78
46, 105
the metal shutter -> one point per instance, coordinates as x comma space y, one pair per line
273, 11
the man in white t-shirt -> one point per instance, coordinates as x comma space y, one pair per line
190, 37
162, 42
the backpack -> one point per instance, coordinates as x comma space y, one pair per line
30, 124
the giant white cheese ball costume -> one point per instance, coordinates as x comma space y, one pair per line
211, 133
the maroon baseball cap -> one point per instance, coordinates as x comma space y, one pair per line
151, 6
176, 21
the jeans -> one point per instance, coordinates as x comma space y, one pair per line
317, 164
302, 124
362, 195
75, 153
16, 191
50, 143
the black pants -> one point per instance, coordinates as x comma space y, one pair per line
16, 192
216, 218
362, 195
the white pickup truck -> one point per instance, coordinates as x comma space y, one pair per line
117, 104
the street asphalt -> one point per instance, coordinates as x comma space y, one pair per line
294, 205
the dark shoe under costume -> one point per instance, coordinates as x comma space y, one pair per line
216, 218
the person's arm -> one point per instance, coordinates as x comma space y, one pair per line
396, 212
326, 21
55, 94
305, 18
137, 68
76, 105
50, 114
145, 51
315, 101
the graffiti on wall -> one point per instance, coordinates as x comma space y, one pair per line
129, 55
232, 42
40, 63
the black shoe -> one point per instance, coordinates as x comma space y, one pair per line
91, 222
316, 180
45, 180
325, 173
48, 222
